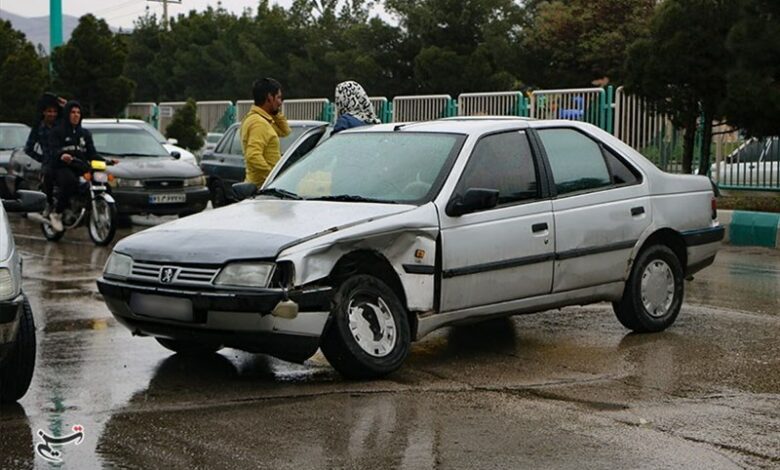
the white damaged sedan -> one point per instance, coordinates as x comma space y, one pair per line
383, 234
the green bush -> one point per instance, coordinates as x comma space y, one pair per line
185, 127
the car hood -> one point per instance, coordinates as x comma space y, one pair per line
186, 155
153, 167
256, 229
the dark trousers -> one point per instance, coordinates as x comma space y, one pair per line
47, 181
67, 183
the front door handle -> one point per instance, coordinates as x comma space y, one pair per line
635, 211
536, 228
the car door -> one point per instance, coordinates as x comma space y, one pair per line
303, 145
506, 252
601, 209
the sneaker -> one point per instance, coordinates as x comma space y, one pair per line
46, 212
56, 222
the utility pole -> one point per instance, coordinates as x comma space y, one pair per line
165, 10
55, 24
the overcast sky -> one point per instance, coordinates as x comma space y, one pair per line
121, 13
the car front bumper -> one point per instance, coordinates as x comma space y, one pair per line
237, 319
136, 201
10, 313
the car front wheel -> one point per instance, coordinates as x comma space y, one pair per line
16, 371
368, 335
654, 292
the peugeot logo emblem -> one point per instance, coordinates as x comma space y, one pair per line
167, 274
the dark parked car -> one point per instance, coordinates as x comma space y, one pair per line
225, 165
147, 179
12, 136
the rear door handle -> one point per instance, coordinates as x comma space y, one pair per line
536, 228
635, 211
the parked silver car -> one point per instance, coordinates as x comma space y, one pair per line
383, 234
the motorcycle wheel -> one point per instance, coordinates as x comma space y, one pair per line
102, 222
49, 233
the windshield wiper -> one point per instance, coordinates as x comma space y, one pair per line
280, 193
351, 198
131, 154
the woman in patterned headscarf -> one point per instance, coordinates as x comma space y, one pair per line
354, 107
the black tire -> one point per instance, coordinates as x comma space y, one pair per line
218, 195
341, 347
16, 370
189, 348
106, 236
632, 311
50, 234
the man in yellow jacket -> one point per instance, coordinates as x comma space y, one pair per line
261, 129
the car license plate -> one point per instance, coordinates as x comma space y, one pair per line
157, 306
170, 198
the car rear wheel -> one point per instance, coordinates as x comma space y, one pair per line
190, 348
16, 370
368, 335
654, 292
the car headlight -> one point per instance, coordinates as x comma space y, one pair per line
119, 266
8, 285
128, 183
245, 275
196, 181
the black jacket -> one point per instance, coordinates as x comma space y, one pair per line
37, 146
73, 140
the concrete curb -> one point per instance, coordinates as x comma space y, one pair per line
746, 228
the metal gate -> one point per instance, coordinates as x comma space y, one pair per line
578, 104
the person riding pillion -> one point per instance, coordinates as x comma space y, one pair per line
37, 146
261, 129
72, 149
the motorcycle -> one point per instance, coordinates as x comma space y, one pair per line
92, 205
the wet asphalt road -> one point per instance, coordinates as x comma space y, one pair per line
562, 389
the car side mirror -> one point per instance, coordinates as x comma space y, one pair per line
473, 200
243, 191
173, 141
26, 201
176, 155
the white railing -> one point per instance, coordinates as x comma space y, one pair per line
636, 122
506, 103
211, 112
305, 109
577, 104
167, 110
143, 110
420, 108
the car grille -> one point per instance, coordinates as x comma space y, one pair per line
182, 275
164, 184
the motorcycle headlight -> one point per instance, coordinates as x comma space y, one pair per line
128, 183
245, 275
196, 181
100, 177
118, 266
8, 285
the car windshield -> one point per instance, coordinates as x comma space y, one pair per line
398, 167
126, 142
157, 135
12, 137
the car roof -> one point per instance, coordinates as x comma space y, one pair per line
13, 124
111, 125
293, 123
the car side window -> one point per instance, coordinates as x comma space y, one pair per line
224, 145
235, 146
621, 173
577, 161
503, 162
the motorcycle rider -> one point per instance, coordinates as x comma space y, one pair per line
37, 146
72, 149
